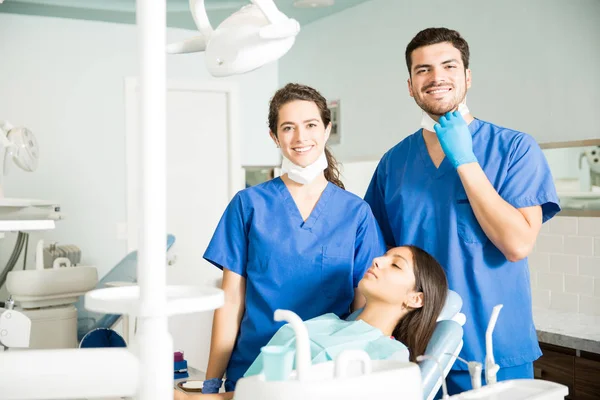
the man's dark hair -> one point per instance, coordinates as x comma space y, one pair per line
431, 36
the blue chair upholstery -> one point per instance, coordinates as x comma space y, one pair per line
124, 271
445, 343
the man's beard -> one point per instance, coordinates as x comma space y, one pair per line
439, 109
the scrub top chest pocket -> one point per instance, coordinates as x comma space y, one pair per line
467, 225
336, 271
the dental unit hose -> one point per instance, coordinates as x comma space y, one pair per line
22, 239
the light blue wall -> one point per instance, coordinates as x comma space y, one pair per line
535, 66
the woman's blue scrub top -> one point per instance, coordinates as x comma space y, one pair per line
419, 204
309, 267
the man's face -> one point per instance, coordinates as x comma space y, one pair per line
438, 81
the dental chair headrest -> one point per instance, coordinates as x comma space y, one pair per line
452, 306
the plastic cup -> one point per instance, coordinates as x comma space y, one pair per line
278, 362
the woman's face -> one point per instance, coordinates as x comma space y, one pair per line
391, 279
300, 132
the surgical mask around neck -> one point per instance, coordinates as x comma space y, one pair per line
427, 122
304, 175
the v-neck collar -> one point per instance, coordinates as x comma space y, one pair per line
293, 210
445, 166
432, 170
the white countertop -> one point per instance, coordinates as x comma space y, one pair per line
576, 331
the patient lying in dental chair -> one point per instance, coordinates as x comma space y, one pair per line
405, 291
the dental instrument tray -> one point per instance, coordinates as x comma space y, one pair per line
180, 300
337, 379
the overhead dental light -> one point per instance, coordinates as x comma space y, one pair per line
253, 36
18, 144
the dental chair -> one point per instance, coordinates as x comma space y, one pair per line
444, 346
124, 273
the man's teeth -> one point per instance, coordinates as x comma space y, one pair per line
439, 91
303, 149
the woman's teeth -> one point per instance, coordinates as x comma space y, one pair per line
302, 149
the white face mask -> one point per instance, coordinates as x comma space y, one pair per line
427, 122
304, 175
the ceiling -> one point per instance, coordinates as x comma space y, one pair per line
178, 13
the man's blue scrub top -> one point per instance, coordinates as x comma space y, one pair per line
419, 204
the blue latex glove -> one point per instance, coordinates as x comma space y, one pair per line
212, 386
454, 136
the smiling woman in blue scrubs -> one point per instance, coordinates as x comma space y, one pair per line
472, 194
299, 242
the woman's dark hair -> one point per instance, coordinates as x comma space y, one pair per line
292, 92
416, 328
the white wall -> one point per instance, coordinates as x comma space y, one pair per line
534, 63
64, 79
534, 66
565, 266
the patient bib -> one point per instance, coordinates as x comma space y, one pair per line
330, 335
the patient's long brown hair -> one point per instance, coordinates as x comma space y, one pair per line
416, 328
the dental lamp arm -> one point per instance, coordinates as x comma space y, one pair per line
201, 18
303, 361
192, 45
197, 43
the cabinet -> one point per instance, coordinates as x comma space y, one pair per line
578, 370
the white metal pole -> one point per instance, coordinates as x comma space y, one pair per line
155, 344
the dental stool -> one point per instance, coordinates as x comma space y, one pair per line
124, 273
444, 346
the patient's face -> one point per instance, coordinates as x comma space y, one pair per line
390, 278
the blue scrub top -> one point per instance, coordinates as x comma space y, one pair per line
309, 267
417, 203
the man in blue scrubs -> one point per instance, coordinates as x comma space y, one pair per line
474, 195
